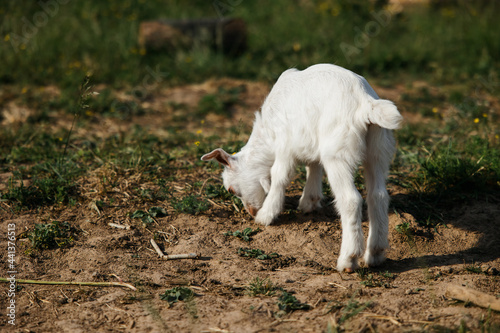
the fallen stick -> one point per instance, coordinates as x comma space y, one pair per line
337, 285
474, 296
393, 320
180, 256
157, 248
71, 283
172, 256
396, 321
119, 226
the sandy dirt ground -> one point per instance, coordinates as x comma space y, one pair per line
405, 294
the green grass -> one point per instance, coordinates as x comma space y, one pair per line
192, 204
177, 294
260, 287
256, 253
36, 51
221, 102
181, 294
288, 303
148, 217
451, 156
245, 235
51, 235
352, 308
373, 280
474, 268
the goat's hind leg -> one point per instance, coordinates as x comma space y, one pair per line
379, 152
313, 190
349, 204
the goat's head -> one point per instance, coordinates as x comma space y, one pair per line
240, 179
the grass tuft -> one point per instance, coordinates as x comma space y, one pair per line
288, 303
245, 235
256, 253
177, 294
258, 287
51, 235
192, 204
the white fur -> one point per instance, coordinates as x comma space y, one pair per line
331, 119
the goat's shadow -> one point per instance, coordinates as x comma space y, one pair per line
487, 226
480, 216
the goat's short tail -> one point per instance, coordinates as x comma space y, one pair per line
385, 114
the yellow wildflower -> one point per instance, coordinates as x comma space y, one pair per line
323, 7
476, 120
335, 10
197, 143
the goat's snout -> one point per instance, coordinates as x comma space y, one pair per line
252, 210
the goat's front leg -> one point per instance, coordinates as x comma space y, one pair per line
281, 173
313, 191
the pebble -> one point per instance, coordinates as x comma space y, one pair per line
485, 269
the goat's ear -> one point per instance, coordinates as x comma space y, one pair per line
220, 156
265, 182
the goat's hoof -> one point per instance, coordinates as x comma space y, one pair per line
263, 218
374, 258
348, 265
309, 204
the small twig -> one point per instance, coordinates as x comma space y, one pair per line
116, 309
337, 285
317, 302
396, 321
419, 321
203, 185
213, 203
62, 292
376, 316
157, 248
279, 321
119, 226
66, 283
180, 256
172, 256
215, 329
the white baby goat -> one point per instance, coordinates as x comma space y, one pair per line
329, 118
